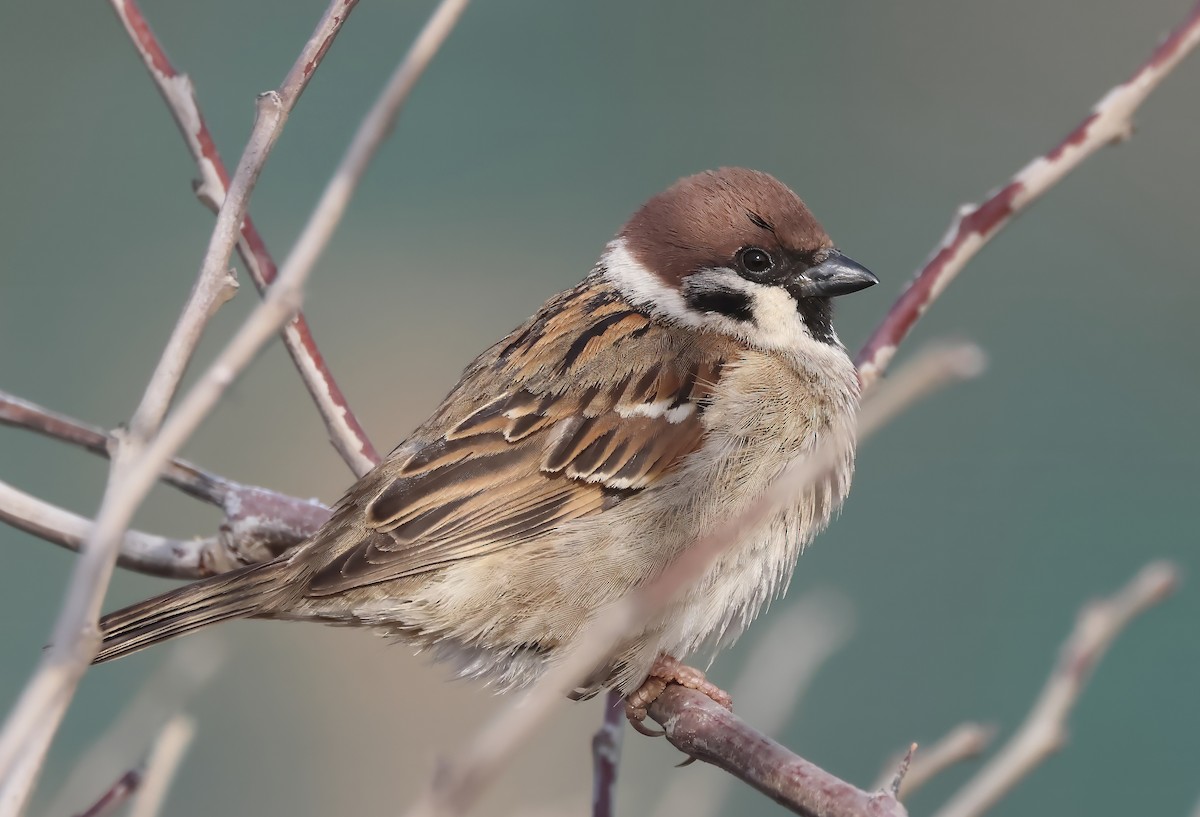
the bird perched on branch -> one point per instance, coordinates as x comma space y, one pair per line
577, 457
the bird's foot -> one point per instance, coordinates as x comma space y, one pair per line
667, 670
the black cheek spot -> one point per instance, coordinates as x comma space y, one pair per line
727, 302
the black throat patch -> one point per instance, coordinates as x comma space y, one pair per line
817, 314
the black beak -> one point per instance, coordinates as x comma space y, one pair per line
836, 275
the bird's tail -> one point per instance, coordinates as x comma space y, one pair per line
236, 594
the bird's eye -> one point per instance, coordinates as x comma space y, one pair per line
755, 261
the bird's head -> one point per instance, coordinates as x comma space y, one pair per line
736, 252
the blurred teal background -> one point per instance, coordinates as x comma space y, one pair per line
978, 524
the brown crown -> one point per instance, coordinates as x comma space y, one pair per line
702, 221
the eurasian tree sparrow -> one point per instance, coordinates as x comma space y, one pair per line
579, 455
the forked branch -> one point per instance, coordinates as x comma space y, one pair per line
140, 458
345, 432
258, 523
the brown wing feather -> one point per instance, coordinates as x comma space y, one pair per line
577, 428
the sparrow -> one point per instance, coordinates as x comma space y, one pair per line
578, 456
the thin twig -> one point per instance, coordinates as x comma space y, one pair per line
162, 763
345, 432
963, 742
147, 784
259, 523
606, 755
20, 413
778, 670
35, 718
1110, 121
188, 667
901, 772
373, 129
705, 730
115, 796
458, 784
214, 286
143, 552
1044, 730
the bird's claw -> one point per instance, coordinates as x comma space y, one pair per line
668, 670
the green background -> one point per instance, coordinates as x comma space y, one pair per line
978, 524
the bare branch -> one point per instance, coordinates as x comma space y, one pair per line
901, 772
783, 661
35, 718
213, 288
143, 552
115, 796
1045, 728
374, 128
1110, 121
20, 413
262, 525
458, 785
164, 759
963, 742
187, 668
606, 755
259, 523
705, 730
147, 784
345, 432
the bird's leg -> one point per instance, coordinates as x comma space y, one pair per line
667, 670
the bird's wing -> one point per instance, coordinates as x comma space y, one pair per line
559, 421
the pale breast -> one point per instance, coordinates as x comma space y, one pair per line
765, 412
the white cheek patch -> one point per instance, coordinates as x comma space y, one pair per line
777, 323
777, 319
642, 287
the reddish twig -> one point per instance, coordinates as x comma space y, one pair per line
182, 672
1110, 121
345, 432
35, 718
147, 784
161, 765
1044, 730
606, 756
375, 127
707, 731
115, 796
